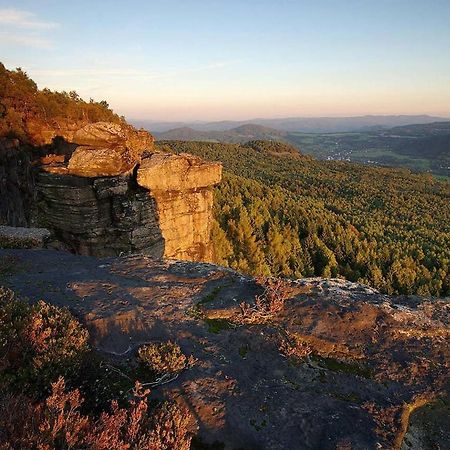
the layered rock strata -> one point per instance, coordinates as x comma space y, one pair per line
180, 184
115, 194
99, 216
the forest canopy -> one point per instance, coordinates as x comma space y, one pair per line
284, 214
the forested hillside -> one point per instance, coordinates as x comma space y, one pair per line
282, 213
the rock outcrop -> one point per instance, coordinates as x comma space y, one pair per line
104, 190
16, 183
181, 186
97, 204
338, 366
107, 149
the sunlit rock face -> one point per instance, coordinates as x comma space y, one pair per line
181, 187
113, 194
107, 149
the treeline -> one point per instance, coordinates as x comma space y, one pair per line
280, 213
21, 102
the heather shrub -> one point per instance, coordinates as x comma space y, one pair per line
59, 423
56, 338
13, 314
170, 428
38, 343
163, 358
268, 304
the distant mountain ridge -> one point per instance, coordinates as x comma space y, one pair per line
243, 133
301, 124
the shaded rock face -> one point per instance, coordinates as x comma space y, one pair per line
16, 183
99, 216
373, 358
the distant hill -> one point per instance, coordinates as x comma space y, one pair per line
422, 129
239, 134
300, 124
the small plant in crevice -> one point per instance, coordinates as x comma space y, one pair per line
294, 348
268, 304
164, 358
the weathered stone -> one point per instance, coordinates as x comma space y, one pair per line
167, 172
95, 204
107, 149
21, 237
100, 161
99, 216
181, 186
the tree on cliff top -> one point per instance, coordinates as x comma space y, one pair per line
21, 101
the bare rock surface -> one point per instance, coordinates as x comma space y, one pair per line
23, 237
167, 172
372, 361
107, 149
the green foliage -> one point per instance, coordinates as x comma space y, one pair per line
21, 102
283, 214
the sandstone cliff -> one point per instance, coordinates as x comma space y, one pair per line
103, 190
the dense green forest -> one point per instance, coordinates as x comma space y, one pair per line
281, 213
21, 102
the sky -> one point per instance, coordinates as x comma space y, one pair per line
190, 60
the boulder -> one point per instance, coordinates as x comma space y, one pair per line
167, 172
107, 149
22, 237
88, 161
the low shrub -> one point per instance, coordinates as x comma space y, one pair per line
164, 358
268, 304
38, 343
58, 423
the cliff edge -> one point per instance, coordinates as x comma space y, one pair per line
104, 190
310, 363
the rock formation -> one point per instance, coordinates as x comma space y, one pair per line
337, 366
180, 185
16, 183
107, 149
108, 192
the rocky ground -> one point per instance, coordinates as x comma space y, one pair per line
338, 366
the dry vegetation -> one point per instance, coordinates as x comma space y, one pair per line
268, 304
164, 358
43, 348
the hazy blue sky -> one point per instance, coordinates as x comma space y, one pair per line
230, 59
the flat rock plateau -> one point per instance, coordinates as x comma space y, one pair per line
373, 372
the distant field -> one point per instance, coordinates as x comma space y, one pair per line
419, 152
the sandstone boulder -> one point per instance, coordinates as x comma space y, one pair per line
167, 172
107, 149
113, 134
88, 161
